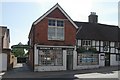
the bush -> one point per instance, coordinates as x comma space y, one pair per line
81, 49
91, 49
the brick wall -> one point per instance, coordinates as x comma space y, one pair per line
41, 31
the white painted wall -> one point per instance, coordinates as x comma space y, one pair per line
3, 62
79, 42
113, 61
97, 48
35, 55
93, 43
0, 44
74, 60
52, 68
15, 61
116, 50
112, 50
101, 43
0, 40
112, 44
97, 43
102, 59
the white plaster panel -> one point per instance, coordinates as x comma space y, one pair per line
112, 50
74, 59
0, 44
35, 55
116, 50
101, 43
79, 42
101, 60
101, 49
112, 44
93, 43
97, 48
3, 62
113, 61
97, 43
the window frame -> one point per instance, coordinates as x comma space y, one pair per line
46, 54
56, 37
86, 43
93, 59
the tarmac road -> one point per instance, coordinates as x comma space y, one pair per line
22, 72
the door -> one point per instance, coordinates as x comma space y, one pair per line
107, 59
69, 60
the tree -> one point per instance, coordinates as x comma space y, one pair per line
18, 51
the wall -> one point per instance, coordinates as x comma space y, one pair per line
3, 62
0, 40
113, 61
6, 40
102, 59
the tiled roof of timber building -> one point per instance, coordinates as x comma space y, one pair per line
119, 34
97, 31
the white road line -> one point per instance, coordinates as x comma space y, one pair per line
98, 75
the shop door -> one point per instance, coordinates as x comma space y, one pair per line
107, 59
69, 60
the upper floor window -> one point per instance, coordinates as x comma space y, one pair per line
117, 44
55, 29
105, 45
86, 43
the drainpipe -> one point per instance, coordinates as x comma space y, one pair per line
33, 43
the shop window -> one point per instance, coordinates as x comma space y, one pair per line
87, 59
50, 57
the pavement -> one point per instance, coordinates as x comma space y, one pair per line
22, 71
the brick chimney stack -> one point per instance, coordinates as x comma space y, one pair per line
93, 18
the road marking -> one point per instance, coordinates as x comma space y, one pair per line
114, 74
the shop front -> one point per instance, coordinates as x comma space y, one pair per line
86, 60
52, 58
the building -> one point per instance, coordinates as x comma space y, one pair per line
52, 37
4, 48
59, 43
97, 44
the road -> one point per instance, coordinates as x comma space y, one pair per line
22, 72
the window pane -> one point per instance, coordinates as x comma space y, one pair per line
86, 42
60, 33
60, 23
51, 22
51, 33
50, 57
87, 59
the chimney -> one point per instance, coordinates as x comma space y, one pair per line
93, 18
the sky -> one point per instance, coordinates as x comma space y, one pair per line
18, 15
